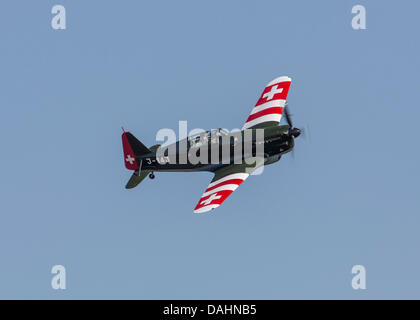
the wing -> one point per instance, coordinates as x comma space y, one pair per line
269, 107
224, 182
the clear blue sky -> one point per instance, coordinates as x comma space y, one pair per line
350, 196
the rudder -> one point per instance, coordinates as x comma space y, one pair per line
133, 149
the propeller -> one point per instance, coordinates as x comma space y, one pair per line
306, 133
288, 116
294, 132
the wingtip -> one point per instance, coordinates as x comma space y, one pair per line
280, 79
206, 208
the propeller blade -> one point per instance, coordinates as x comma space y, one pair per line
306, 133
288, 117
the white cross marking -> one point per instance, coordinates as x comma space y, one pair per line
129, 159
273, 91
214, 196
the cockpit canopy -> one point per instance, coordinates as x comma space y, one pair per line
204, 137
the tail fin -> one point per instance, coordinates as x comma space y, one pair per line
133, 149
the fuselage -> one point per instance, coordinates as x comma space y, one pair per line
215, 149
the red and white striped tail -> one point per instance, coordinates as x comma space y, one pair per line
269, 107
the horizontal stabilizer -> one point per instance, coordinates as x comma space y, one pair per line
138, 148
136, 178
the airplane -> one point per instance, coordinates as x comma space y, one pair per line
229, 173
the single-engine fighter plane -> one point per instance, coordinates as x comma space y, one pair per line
228, 175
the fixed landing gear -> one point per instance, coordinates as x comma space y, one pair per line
151, 175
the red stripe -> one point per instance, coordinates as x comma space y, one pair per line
273, 110
231, 181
